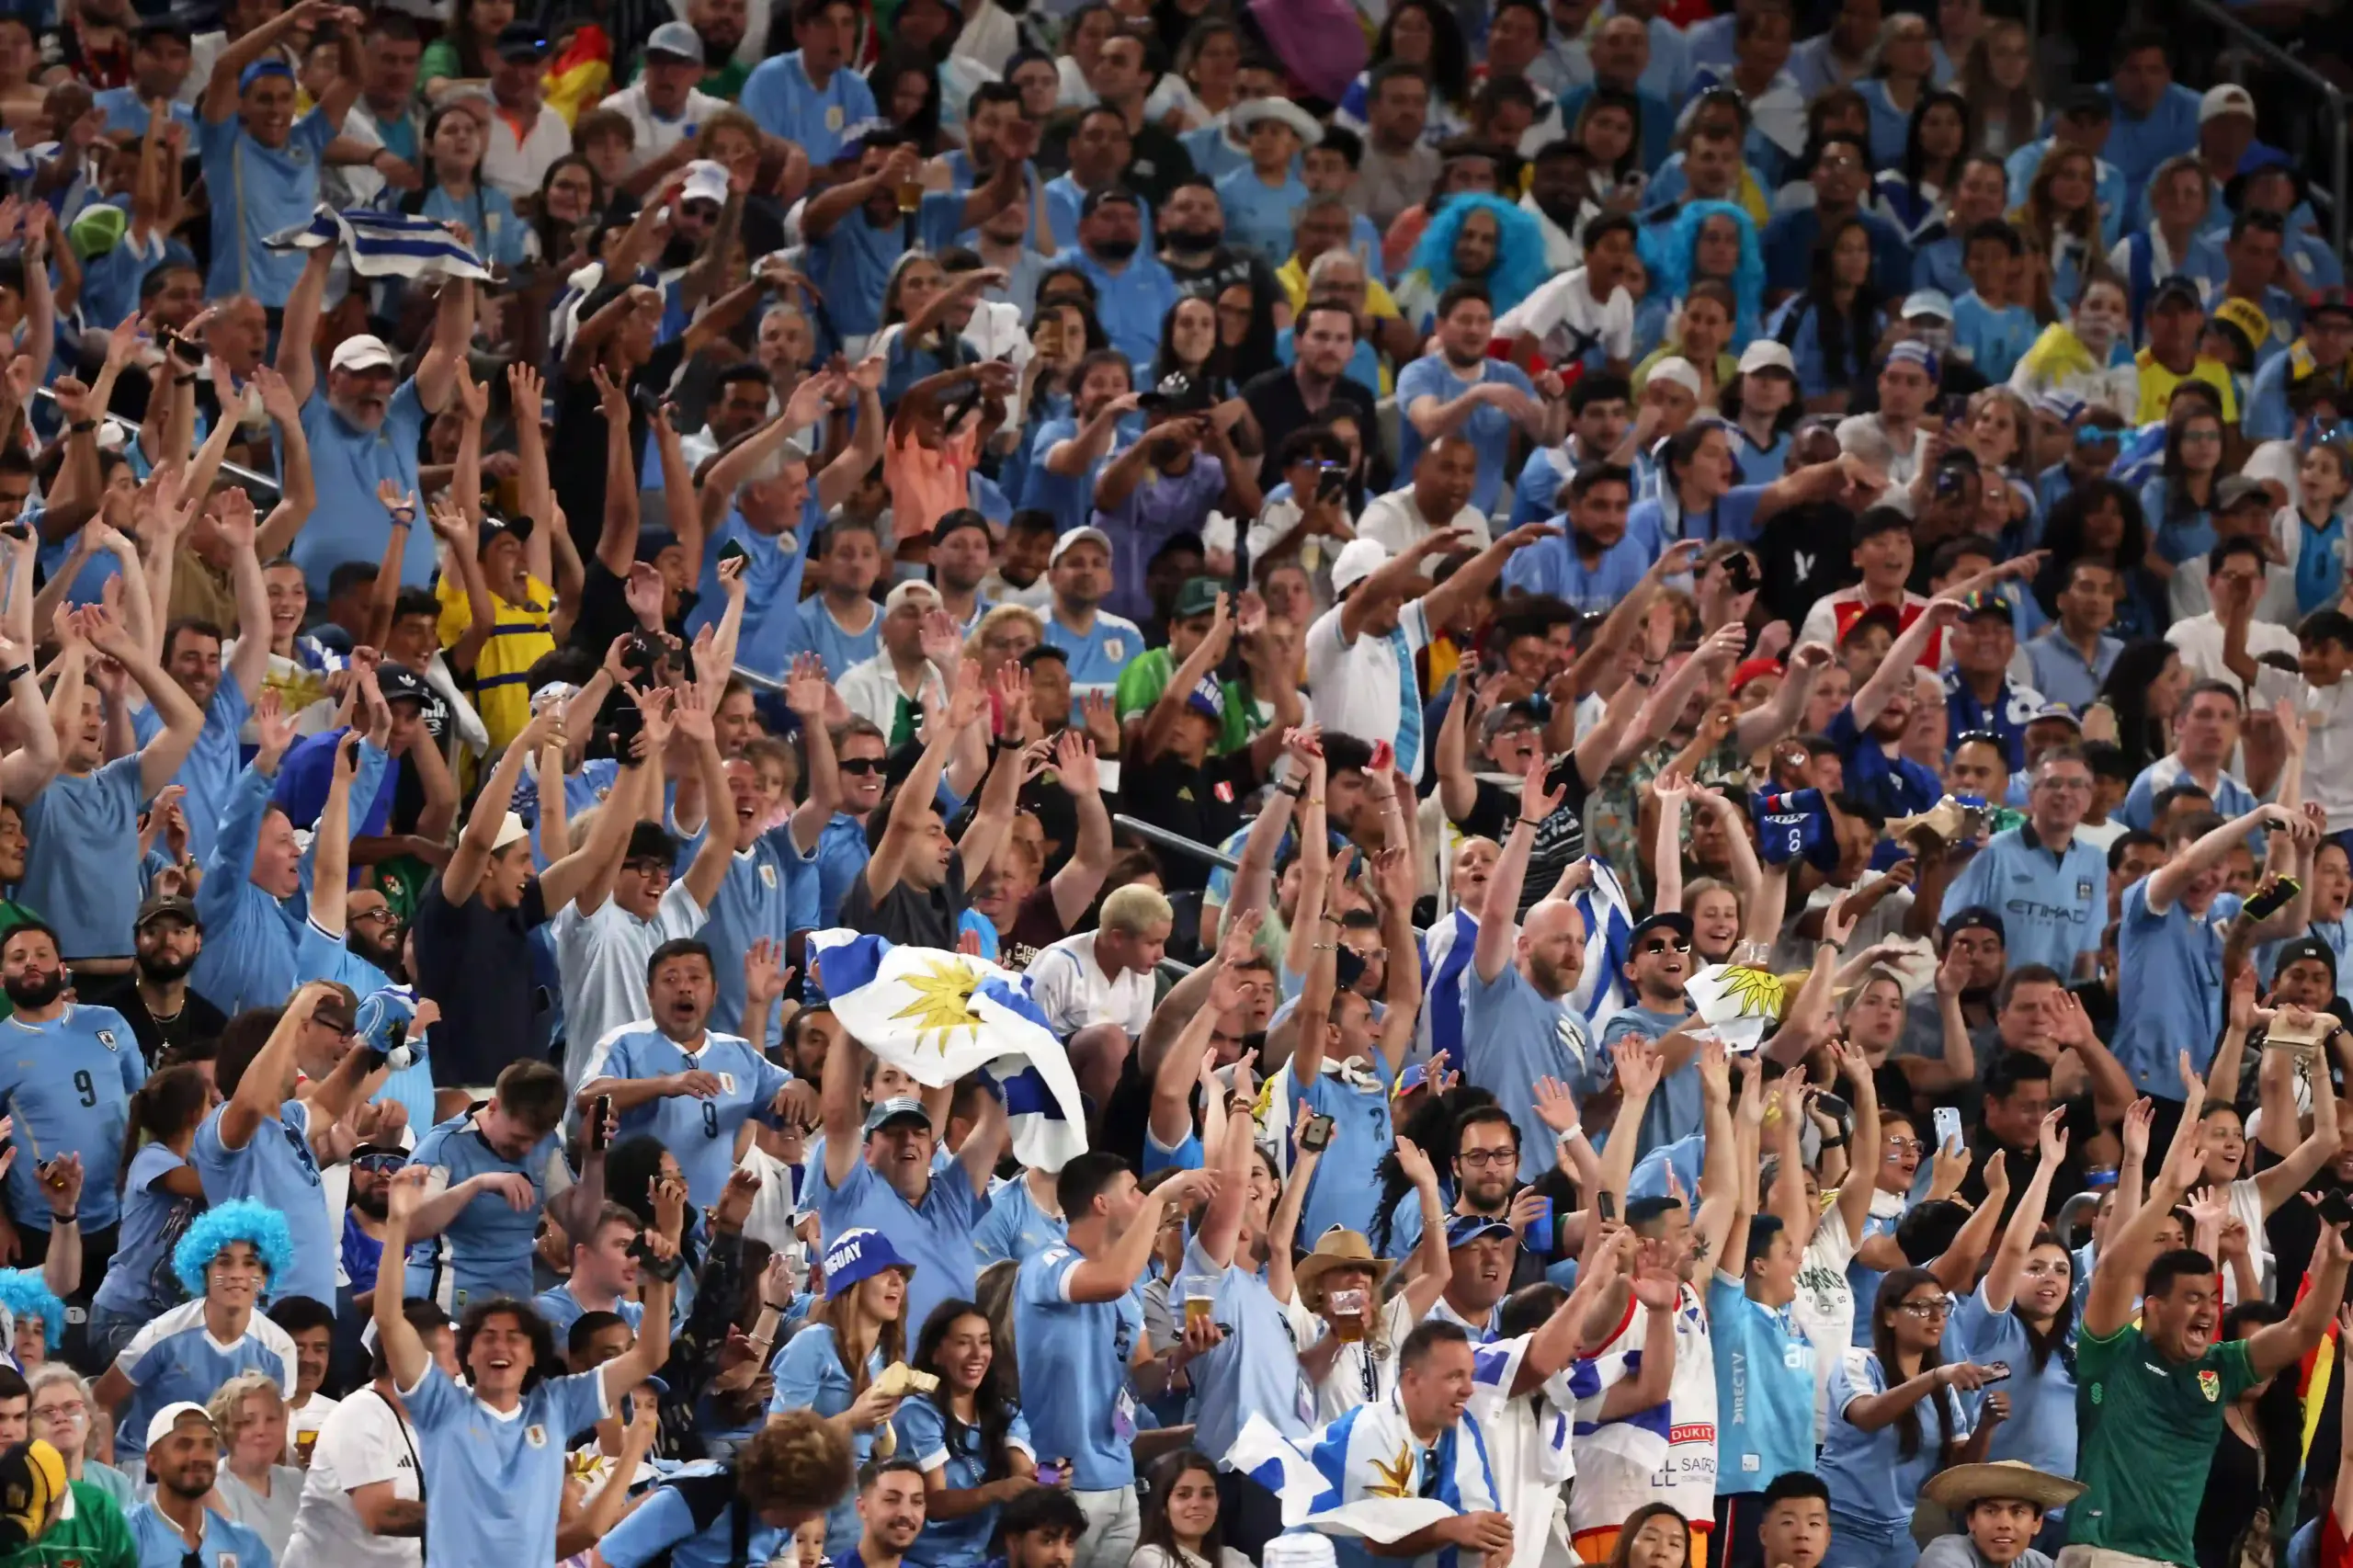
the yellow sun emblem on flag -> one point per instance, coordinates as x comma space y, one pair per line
942, 1002
1396, 1476
1752, 993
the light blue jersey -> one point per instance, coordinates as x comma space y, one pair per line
1075, 1371
773, 567
770, 890
664, 1526
212, 763
258, 191
1764, 1389
842, 856
1511, 1037
2175, 1001
492, 1481
225, 1544
810, 1376
1253, 1370
780, 95
347, 464
68, 1083
1095, 655
1346, 1189
485, 1250
2053, 905
139, 1280
935, 1234
1016, 1227
700, 1133
1489, 429
1873, 1485
83, 834
175, 1357
277, 1168
2041, 1427
817, 632
925, 1436
562, 1309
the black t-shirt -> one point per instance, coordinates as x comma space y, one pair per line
475, 961
1804, 554
576, 449
1203, 804
1275, 401
909, 916
1225, 268
1559, 838
605, 613
197, 1019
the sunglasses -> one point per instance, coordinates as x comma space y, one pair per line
379, 1165
2093, 435
1666, 945
861, 766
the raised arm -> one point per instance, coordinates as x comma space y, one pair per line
472, 856
2118, 1271
183, 721
1082, 876
298, 340
1903, 656
914, 810
2167, 882
1493, 951
2001, 1283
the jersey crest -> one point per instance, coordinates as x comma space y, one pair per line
2210, 1385
536, 1435
106, 1038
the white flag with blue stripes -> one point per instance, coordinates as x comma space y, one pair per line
386, 245
1311, 1500
1609, 937
941, 1016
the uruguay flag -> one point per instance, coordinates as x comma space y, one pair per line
940, 1016
1370, 1457
386, 245
1449, 945
1311, 1498
1609, 939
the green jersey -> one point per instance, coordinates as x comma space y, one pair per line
2146, 1423
12, 915
89, 1533
1148, 675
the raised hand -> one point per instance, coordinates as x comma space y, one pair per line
1556, 1105
805, 688
1075, 763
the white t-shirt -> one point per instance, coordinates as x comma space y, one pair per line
2199, 641
304, 1422
601, 959
1360, 1374
1359, 687
1617, 1464
1395, 521
1072, 990
1824, 1304
365, 1441
515, 166
654, 134
1566, 320
2328, 718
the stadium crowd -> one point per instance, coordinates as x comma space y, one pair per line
1657, 707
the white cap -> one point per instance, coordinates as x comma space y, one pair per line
675, 40
160, 1425
1358, 559
1675, 371
1934, 302
364, 352
2228, 98
1766, 354
911, 589
705, 181
509, 831
1250, 111
1078, 536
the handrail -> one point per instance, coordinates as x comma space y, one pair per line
2340, 194
1192, 848
130, 428
759, 682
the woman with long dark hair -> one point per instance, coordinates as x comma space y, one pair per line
1424, 35
1180, 1520
1998, 83
462, 56
2022, 1314
1426, 1122
1896, 86
2180, 502
161, 1196
906, 90
1832, 328
2100, 520
455, 141
1911, 195
970, 1425
2143, 688
1895, 1420
2255, 1462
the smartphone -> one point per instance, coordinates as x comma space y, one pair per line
1741, 572
1331, 483
731, 551
18, 529
2268, 902
600, 1116
1947, 1122
1956, 408
1050, 1473
1998, 1371
2336, 1209
1605, 1203
1315, 1134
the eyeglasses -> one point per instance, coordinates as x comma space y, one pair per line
2202, 437
1476, 1158
647, 866
2094, 435
2059, 783
77, 1411
1666, 945
861, 766
1898, 1147
1934, 1309
372, 917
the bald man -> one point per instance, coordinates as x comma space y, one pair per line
1519, 1023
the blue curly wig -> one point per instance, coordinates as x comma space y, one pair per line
1667, 251
25, 1294
240, 1220
1520, 249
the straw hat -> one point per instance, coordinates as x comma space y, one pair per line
1949, 1493
1336, 1248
